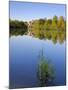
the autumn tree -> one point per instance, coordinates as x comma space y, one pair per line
61, 23
54, 23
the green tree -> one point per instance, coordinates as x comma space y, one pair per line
47, 25
61, 23
17, 27
54, 23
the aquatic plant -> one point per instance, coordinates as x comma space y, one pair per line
46, 71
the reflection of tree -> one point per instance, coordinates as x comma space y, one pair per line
46, 72
54, 37
50, 35
61, 37
51, 29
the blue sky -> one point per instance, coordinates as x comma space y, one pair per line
27, 11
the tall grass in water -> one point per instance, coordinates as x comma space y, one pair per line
46, 71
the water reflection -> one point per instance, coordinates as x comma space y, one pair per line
46, 71
25, 65
55, 36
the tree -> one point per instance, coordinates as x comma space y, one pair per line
61, 23
55, 19
54, 23
17, 27
47, 25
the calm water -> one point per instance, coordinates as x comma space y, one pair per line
24, 59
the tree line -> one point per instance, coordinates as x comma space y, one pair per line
42, 28
49, 24
18, 27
